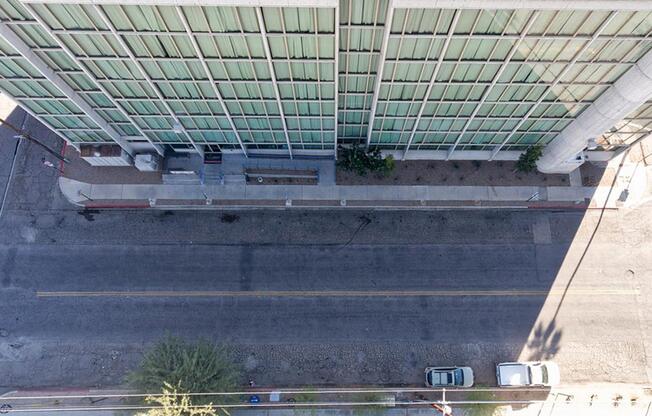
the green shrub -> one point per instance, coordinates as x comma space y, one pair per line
360, 161
389, 164
527, 161
189, 367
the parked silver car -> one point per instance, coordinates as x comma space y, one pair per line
449, 377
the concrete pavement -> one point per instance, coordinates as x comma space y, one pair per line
103, 190
95, 195
33, 185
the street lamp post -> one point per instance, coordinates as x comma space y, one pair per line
443, 407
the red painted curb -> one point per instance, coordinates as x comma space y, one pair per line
541, 207
63, 155
116, 206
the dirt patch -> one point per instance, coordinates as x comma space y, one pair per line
281, 177
280, 181
288, 172
453, 173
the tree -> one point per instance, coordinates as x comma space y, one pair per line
527, 161
361, 161
173, 403
191, 367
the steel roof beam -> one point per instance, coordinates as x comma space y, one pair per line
633, 5
389, 16
336, 73
431, 84
494, 81
105, 19
92, 76
555, 82
40, 118
632, 90
21, 47
199, 3
277, 93
207, 70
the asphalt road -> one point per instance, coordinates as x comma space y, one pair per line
318, 297
306, 309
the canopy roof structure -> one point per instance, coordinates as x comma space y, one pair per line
306, 76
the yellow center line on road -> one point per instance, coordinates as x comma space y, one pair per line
333, 293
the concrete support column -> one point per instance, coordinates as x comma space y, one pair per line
631, 90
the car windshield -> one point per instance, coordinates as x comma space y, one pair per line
429, 377
544, 374
459, 377
529, 374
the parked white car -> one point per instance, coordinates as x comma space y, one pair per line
529, 373
449, 377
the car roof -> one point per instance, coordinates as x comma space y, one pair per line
513, 374
440, 378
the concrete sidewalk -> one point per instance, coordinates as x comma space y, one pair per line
591, 399
219, 196
628, 186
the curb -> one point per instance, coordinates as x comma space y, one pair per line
386, 207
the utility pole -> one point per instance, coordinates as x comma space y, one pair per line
21, 134
443, 408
